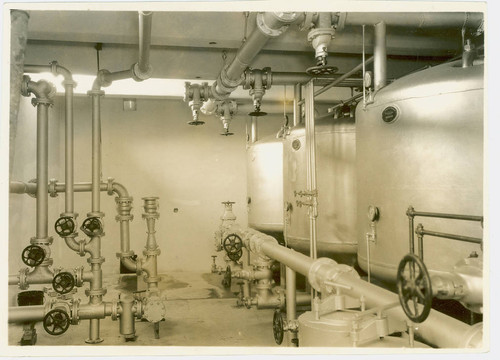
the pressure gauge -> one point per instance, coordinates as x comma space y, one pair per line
373, 213
368, 79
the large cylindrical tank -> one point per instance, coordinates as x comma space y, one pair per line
336, 184
265, 185
420, 143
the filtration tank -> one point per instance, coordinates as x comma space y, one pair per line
265, 185
336, 184
420, 143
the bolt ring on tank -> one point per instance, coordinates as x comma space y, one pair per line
232, 244
33, 255
414, 286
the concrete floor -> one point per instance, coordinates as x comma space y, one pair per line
200, 312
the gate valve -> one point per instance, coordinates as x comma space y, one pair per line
63, 282
56, 322
195, 95
92, 226
319, 37
232, 244
65, 226
33, 255
278, 326
414, 288
226, 280
235, 256
225, 110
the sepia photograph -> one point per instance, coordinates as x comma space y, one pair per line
245, 178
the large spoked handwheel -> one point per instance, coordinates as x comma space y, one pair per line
414, 288
232, 244
56, 322
33, 255
278, 326
65, 226
63, 283
92, 226
235, 256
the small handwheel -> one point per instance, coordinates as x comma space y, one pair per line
226, 280
322, 70
64, 226
33, 255
414, 286
278, 326
63, 283
235, 256
56, 322
232, 244
92, 226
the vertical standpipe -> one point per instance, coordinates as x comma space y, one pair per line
380, 56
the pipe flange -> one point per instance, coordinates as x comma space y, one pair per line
32, 181
126, 254
41, 101
155, 252
23, 276
215, 94
152, 279
114, 309
139, 309
24, 86
69, 214
139, 75
96, 292
226, 82
75, 318
98, 260
314, 279
98, 214
95, 92
52, 188
41, 241
314, 33
78, 276
284, 17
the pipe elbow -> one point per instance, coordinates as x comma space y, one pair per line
141, 75
61, 70
42, 89
120, 190
129, 263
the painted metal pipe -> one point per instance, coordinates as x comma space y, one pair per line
421, 231
42, 163
127, 321
412, 213
269, 25
291, 302
439, 329
380, 56
145, 26
343, 77
21, 314
297, 96
18, 38
292, 78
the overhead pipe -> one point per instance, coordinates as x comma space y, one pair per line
380, 56
439, 329
269, 25
18, 38
297, 110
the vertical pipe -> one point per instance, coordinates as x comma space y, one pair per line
254, 136
42, 163
96, 150
311, 171
380, 56
412, 236
291, 302
69, 171
297, 97
18, 39
127, 324
145, 25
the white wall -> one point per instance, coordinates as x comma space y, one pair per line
153, 152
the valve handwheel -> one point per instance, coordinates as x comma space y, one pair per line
235, 256
92, 226
63, 283
232, 244
56, 322
278, 326
64, 226
322, 70
414, 288
33, 255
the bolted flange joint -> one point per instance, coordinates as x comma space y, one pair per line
98, 260
139, 75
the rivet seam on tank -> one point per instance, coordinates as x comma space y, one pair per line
390, 114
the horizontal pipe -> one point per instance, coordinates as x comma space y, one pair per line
414, 213
417, 20
109, 77
292, 78
343, 77
18, 187
439, 329
21, 314
450, 236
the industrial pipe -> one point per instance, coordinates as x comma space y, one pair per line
439, 329
143, 67
297, 96
380, 56
269, 25
291, 303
